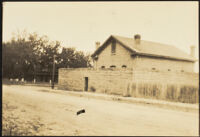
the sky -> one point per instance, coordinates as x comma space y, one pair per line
81, 24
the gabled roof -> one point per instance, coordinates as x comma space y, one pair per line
148, 48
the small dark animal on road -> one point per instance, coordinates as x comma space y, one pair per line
80, 111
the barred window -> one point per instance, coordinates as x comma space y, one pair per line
113, 66
113, 47
123, 66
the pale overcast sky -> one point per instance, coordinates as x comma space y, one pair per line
81, 24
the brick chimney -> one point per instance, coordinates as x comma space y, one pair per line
97, 45
137, 38
192, 51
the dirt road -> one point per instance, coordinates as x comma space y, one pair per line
55, 114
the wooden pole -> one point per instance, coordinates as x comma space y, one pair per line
34, 74
52, 86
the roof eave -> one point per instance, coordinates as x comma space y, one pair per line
102, 46
165, 57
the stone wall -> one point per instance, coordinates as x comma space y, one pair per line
105, 81
166, 77
173, 86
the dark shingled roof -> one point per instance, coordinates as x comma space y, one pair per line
148, 48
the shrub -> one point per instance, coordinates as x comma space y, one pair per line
156, 90
92, 89
142, 89
149, 90
133, 89
171, 92
188, 94
127, 93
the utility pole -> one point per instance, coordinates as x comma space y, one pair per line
34, 73
52, 85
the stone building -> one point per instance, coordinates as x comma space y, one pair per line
135, 67
134, 53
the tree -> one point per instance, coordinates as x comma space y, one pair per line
71, 58
26, 54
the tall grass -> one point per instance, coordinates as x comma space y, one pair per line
188, 94
149, 90
170, 92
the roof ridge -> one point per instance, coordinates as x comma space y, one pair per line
160, 43
145, 40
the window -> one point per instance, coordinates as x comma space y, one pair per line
102, 67
113, 47
182, 70
169, 69
153, 68
123, 66
113, 66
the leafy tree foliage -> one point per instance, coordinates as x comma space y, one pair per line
27, 54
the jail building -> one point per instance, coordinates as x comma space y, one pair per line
120, 61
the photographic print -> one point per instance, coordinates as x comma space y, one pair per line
101, 68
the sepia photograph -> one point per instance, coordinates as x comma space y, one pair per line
100, 68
